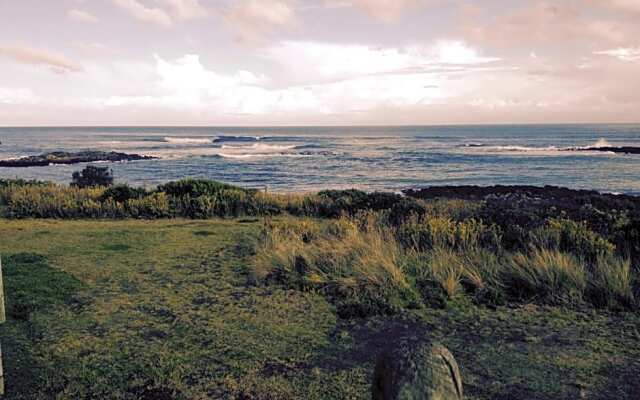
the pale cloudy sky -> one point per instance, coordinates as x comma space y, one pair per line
329, 62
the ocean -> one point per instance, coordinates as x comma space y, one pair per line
286, 159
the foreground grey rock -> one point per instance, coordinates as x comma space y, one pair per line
417, 370
63, 157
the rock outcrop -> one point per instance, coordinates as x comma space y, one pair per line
63, 157
611, 149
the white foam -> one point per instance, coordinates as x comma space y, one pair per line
597, 145
519, 149
262, 155
187, 140
258, 147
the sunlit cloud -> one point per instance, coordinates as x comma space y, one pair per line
16, 96
26, 55
384, 10
627, 6
82, 16
539, 23
326, 61
252, 20
622, 53
288, 61
164, 13
186, 83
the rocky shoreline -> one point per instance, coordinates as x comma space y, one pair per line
63, 157
556, 196
611, 149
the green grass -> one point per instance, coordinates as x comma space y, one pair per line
163, 309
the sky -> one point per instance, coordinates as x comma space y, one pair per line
318, 62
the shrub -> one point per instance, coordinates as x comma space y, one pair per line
195, 188
572, 237
92, 175
50, 201
155, 205
122, 193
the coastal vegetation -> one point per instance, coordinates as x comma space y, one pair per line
200, 289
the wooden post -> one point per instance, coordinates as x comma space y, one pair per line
2, 321
3, 317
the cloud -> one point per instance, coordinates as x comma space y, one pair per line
140, 12
184, 10
16, 96
540, 23
82, 16
631, 6
252, 20
322, 62
385, 10
185, 84
56, 62
167, 15
622, 53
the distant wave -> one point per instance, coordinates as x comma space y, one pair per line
233, 138
517, 149
187, 140
263, 155
548, 150
259, 138
258, 147
256, 150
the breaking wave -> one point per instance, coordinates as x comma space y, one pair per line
188, 140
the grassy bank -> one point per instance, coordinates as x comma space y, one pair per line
170, 309
127, 293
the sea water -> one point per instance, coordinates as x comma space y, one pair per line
285, 159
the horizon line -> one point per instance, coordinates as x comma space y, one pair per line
328, 126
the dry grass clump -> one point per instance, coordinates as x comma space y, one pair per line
369, 266
355, 263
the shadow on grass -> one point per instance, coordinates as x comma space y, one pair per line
30, 285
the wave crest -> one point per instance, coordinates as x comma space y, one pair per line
188, 140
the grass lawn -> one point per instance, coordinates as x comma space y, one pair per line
162, 310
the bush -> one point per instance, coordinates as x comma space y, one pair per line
122, 193
195, 188
572, 237
49, 201
155, 205
92, 176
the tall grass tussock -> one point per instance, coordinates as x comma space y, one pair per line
367, 266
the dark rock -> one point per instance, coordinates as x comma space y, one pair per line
63, 157
611, 149
473, 192
414, 369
